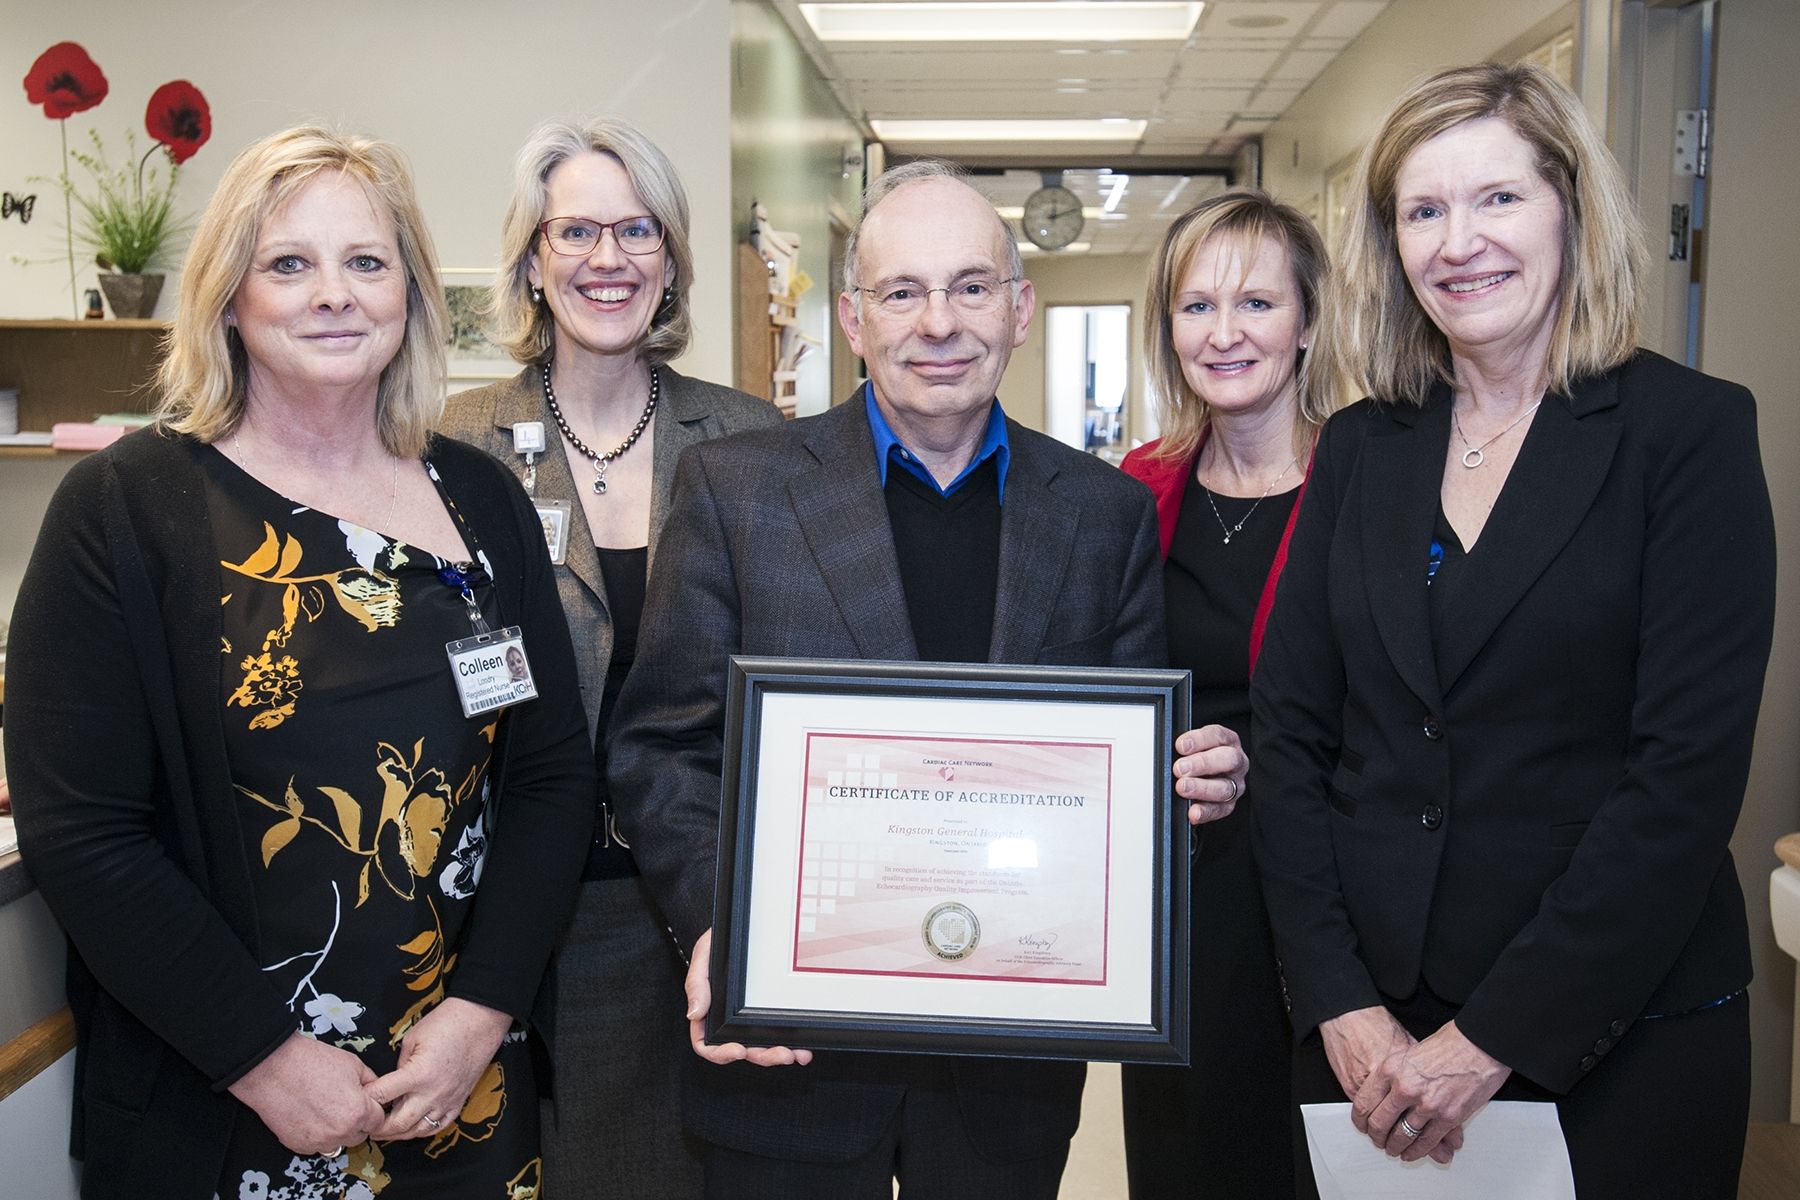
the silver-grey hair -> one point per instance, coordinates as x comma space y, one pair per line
891, 181
523, 326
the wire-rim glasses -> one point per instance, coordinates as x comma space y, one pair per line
972, 295
577, 237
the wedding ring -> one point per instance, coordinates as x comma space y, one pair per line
433, 1123
1234, 789
333, 1153
1406, 1128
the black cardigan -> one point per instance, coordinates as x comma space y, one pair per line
115, 747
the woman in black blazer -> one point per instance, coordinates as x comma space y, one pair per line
1504, 710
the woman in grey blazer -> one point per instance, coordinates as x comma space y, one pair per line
591, 296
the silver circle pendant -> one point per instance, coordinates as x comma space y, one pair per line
1472, 458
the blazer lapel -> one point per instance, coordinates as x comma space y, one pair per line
524, 401
1037, 540
843, 517
1559, 471
1401, 471
680, 423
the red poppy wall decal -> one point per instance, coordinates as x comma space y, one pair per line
127, 218
65, 81
179, 118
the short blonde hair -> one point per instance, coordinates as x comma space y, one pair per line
1388, 342
523, 326
1246, 217
205, 369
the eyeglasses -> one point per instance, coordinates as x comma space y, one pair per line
971, 295
578, 236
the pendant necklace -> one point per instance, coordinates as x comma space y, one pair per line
237, 444
1473, 456
1232, 531
602, 461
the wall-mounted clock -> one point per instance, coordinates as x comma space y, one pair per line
1052, 217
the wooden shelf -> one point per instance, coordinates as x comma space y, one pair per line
76, 370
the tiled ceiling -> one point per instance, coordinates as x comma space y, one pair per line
1202, 99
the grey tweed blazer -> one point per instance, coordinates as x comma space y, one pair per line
778, 543
689, 411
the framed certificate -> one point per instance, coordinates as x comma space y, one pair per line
954, 859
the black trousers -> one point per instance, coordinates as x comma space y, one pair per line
927, 1148
1219, 1128
1664, 1114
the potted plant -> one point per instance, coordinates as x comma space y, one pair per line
127, 213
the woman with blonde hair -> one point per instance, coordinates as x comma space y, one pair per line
1504, 711
1231, 327
304, 939
592, 299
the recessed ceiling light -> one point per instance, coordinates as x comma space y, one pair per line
1071, 91
1112, 129
1063, 21
1016, 212
1071, 248
1119, 184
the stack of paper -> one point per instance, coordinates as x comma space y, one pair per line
1511, 1149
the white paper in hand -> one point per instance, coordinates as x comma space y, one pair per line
1511, 1150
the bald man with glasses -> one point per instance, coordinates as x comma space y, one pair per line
914, 522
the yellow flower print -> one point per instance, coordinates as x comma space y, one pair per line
367, 1163
528, 1183
479, 1117
372, 599
404, 841
269, 683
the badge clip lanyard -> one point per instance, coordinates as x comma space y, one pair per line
459, 578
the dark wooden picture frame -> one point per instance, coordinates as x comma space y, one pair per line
1163, 1038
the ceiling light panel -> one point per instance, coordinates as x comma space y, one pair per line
1103, 130
1073, 21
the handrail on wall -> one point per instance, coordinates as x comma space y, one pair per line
37, 1048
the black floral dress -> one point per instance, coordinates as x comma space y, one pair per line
362, 792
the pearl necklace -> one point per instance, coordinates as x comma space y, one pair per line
602, 461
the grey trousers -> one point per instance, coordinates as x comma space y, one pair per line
613, 1127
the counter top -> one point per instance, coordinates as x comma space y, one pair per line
15, 881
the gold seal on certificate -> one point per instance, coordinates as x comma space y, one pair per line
951, 931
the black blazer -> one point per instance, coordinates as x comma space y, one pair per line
128, 823
778, 543
1531, 813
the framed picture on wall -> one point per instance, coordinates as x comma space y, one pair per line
471, 357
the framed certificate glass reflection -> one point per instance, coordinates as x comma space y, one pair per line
953, 859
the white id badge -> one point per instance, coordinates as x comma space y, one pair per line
554, 516
491, 671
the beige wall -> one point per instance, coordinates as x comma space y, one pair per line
1748, 335
456, 83
1337, 113
1078, 279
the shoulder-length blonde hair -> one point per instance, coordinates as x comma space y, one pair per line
1245, 217
1387, 341
523, 326
205, 369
